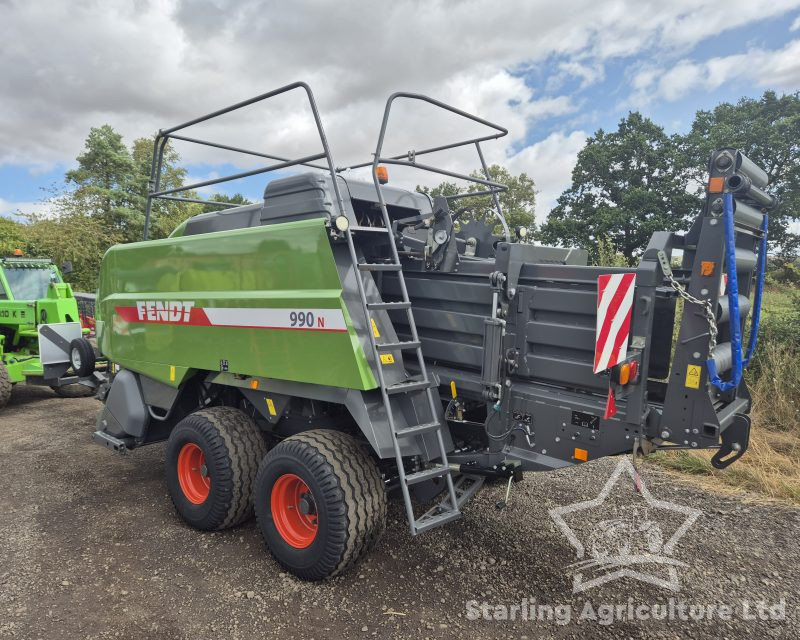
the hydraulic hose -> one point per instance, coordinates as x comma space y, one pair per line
738, 363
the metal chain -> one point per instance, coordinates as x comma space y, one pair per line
705, 305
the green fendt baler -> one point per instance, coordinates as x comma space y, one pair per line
33, 298
343, 340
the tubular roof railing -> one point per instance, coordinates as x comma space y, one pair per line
408, 159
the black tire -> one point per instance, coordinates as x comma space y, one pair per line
232, 447
74, 391
81, 357
5, 386
348, 496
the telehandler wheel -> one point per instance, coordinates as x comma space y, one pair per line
74, 391
320, 503
211, 464
5, 386
81, 357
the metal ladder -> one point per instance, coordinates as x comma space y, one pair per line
447, 509
466, 485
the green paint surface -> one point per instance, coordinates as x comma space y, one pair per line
282, 266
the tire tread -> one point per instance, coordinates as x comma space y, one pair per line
349, 478
5, 386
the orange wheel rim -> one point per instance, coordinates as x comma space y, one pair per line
193, 473
294, 511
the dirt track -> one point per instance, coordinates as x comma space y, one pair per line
91, 548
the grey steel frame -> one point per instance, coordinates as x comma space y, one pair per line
164, 135
409, 159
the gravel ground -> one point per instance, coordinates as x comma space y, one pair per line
91, 548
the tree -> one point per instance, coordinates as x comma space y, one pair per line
165, 215
104, 182
237, 199
81, 239
626, 185
767, 130
12, 236
517, 203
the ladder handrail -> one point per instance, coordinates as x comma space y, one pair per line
164, 135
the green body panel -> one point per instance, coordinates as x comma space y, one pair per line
19, 318
280, 267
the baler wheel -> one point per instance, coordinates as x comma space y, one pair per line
5, 386
320, 503
211, 464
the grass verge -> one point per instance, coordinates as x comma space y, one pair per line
771, 465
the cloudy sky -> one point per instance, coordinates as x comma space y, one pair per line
550, 72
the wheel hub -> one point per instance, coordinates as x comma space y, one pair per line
307, 505
193, 475
294, 511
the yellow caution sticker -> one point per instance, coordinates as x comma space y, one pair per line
172, 373
693, 372
387, 358
375, 331
271, 407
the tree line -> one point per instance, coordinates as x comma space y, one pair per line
626, 184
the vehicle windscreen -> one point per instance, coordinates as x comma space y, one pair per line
29, 283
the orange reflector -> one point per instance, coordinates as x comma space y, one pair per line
716, 185
254, 384
17, 252
707, 267
581, 454
382, 173
625, 373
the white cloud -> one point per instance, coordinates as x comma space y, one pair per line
588, 73
795, 25
16, 210
149, 64
549, 162
779, 69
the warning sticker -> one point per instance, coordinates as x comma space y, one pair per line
271, 407
693, 376
375, 331
387, 358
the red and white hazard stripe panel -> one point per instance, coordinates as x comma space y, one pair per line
614, 304
186, 313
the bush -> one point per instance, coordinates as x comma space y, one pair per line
782, 272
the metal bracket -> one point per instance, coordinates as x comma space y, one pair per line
663, 260
735, 440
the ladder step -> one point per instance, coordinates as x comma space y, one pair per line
425, 523
408, 432
426, 474
386, 306
355, 228
390, 346
405, 387
375, 266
